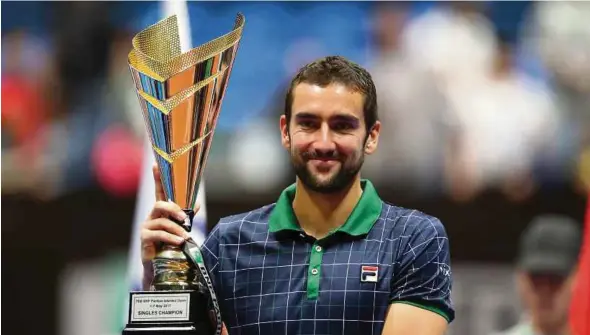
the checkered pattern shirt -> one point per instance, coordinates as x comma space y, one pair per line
272, 278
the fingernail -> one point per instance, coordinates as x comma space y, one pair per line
179, 239
181, 216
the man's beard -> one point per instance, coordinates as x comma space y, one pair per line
336, 183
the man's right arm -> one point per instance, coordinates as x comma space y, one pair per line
159, 228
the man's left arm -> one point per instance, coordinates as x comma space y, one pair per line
421, 289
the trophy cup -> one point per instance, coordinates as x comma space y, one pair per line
180, 95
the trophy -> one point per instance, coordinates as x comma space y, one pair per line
180, 95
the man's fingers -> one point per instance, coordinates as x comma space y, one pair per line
155, 236
167, 209
166, 226
213, 321
160, 195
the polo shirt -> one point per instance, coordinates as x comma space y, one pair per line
273, 278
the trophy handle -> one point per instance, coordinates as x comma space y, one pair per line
193, 253
187, 224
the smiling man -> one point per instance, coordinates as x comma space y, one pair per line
329, 257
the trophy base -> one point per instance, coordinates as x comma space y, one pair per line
168, 313
164, 329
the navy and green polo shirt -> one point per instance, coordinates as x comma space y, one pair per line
272, 278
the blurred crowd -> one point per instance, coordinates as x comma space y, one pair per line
477, 97
473, 95
63, 101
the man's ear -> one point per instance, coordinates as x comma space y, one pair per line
373, 138
284, 127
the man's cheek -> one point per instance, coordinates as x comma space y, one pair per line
349, 148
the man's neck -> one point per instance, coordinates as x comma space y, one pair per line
318, 213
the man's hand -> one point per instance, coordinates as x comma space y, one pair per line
159, 228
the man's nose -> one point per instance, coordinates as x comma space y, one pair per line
324, 140
548, 285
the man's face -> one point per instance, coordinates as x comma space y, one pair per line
547, 298
326, 136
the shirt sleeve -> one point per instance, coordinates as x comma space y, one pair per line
423, 275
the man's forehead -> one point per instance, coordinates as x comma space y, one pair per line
331, 100
333, 88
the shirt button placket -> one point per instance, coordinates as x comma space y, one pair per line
313, 284
317, 250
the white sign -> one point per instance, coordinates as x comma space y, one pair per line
160, 307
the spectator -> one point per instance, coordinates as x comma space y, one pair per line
559, 32
546, 267
454, 40
505, 120
410, 108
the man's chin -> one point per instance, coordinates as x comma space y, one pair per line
325, 184
324, 188
319, 181
324, 178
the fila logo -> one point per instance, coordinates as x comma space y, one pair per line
369, 273
445, 269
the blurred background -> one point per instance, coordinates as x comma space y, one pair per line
486, 124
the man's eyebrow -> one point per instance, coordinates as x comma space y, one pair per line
305, 115
346, 117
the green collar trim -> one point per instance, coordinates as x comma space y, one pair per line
361, 220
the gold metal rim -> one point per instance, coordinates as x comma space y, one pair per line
156, 49
165, 107
171, 157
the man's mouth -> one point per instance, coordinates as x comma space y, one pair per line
323, 159
323, 163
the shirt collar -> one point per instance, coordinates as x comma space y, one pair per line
361, 220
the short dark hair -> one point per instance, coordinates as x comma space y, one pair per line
337, 69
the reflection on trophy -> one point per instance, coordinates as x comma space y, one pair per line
180, 96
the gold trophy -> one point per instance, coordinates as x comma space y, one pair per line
180, 95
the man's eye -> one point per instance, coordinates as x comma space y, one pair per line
342, 126
306, 124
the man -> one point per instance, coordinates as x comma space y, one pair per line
329, 257
546, 268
